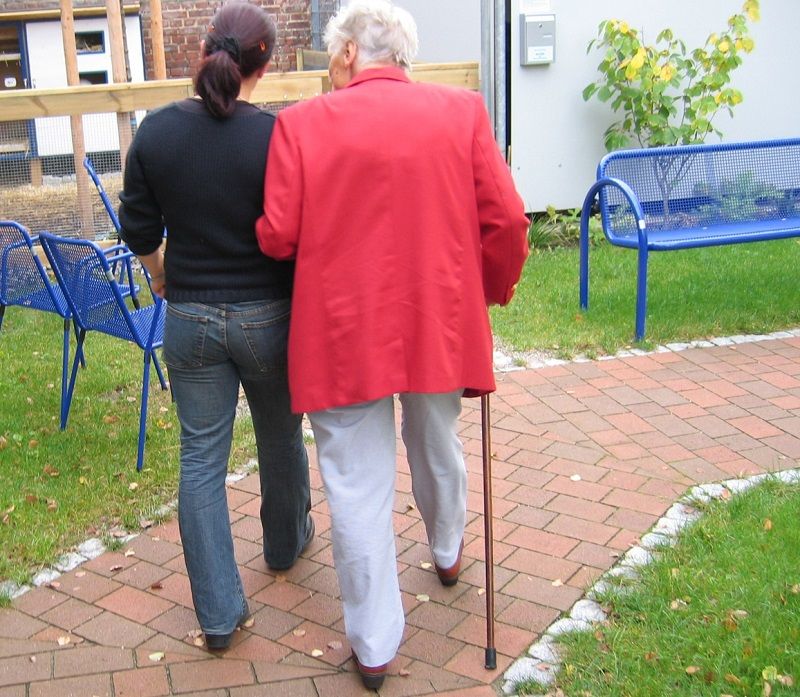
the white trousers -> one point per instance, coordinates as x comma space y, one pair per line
357, 452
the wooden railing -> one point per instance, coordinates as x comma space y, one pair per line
120, 98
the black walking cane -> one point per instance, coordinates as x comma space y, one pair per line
486, 436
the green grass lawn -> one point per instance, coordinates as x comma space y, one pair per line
692, 294
718, 614
58, 488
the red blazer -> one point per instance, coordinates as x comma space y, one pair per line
405, 223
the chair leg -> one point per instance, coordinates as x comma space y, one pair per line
159, 372
66, 403
2, 312
77, 331
64, 371
143, 412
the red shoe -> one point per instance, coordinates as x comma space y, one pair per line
371, 677
449, 576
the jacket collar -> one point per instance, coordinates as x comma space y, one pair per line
388, 72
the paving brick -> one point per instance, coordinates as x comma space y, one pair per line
303, 687
94, 685
542, 591
17, 625
578, 489
527, 615
581, 529
21, 669
142, 682
155, 551
87, 585
637, 502
142, 575
85, 660
210, 674
39, 600
430, 647
13, 691
71, 614
109, 629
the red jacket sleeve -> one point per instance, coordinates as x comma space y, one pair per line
501, 214
278, 229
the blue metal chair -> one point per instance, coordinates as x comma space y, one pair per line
24, 282
97, 303
124, 272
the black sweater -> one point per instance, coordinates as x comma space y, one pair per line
203, 178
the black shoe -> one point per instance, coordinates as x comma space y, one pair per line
221, 642
307, 541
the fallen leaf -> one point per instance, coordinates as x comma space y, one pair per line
116, 567
316, 653
767, 525
83, 481
157, 586
575, 477
32, 443
52, 505
732, 679
130, 552
651, 656
3, 442
133, 486
786, 680
796, 589
557, 583
63, 640
157, 656
770, 673
193, 633
80, 574
50, 470
110, 419
426, 565
199, 641
410, 507
693, 670
144, 524
31, 498
766, 691
249, 622
739, 614
677, 604
299, 632
55, 585
423, 597
403, 673
481, 591
33, 659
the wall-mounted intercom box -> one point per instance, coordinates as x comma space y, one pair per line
537, 38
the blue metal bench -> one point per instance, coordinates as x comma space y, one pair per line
686, 196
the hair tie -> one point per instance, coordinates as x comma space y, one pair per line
229, 45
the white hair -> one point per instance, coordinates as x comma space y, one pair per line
383, 32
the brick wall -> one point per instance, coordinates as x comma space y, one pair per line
185, 25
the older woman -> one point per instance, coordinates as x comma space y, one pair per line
405, 224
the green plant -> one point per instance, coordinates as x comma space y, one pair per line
668, 94
555, 228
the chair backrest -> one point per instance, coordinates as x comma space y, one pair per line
93, 293
87, 163
23, 278
693, 186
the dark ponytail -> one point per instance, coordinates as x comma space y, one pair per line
239, 42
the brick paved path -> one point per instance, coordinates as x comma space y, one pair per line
588, 456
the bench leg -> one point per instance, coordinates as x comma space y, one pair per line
641, 294
584, 250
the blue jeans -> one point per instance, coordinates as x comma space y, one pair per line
209, 350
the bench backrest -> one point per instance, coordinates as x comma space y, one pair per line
699, 186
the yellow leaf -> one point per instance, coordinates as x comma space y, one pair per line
638, 60
624, 28
631, 72
767, 525
712, 39
110, 419
723, 46
82, 481
732, 679
752, 9
693, 670
3, 442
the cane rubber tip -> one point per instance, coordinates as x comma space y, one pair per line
491, 659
